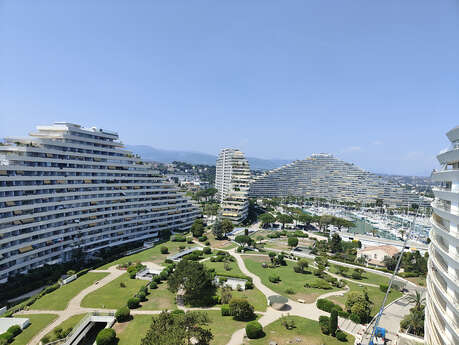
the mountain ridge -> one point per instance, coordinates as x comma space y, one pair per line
192, 157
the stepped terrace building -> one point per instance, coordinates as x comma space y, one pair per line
232, 182
324, 176
442, 307
69, 188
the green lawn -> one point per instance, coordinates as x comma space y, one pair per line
37, 323
160, 299
112, 296
69, 323
220, 267
151, 254
367, 277
306, 330
222, 327
58, 299
375, 294
132, 332
289, 279
254, 296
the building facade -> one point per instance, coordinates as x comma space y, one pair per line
324, 176
67, 188
442, 307
232, 182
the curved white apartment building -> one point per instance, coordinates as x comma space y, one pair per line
68, 187
442, 308
232, 182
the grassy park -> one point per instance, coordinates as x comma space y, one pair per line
58, 299
131, 333
289, 279
375, 294
308, 331
37, 323
112, 295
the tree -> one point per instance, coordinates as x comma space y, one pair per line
414, 322
178, 329
227, 226
122, 314
333, 322
325, 221
196, 281
359, 304
284, 219
197, 229
417, 299
266, 219
254, 330
305, 218
390, 262
301, 266
241, 309
292, 242
226, 295
218, 230
342, 270
335, 244
243, 240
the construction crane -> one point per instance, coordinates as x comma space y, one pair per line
381, 310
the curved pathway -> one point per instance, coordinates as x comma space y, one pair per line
306, 310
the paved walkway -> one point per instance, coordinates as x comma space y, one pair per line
306, 310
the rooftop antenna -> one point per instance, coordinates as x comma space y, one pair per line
381, 310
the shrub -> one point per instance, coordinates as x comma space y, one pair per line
189, 240
133, 303
333, 322
132, 275
44, 340
142, 296
355, 318
202, 238
249, 285
144, 289
153, 285
164, 250
163, 275
327, 305
107, 336
343, 314
341, 336
168, 261
122, 285
239, 249
207, 250
207, 243
383, 287
156, 279
178, 238
254, 330
225, 310
318, 284
177, 312
289, 291
274, 279
7, 337
14, 330
241, 309
122, 314
182, 247
324, 322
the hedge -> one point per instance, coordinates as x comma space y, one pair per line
254, 330
225, 310
327, 305
324, 322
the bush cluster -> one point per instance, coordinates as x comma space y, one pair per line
341, 336
254, 330
178, 238
241, 310
383, 287
324, 322
164, 250
274, 279
327, 305
107, 336
318, 283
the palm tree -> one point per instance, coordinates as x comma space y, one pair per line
417, 299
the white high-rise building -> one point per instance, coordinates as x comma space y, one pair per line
232, 182
442, 307
70, 188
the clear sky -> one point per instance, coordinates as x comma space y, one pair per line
373, 82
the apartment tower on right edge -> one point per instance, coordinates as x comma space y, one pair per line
442, 308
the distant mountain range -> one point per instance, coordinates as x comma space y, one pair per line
167, 156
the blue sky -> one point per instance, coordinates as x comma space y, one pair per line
373, 82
